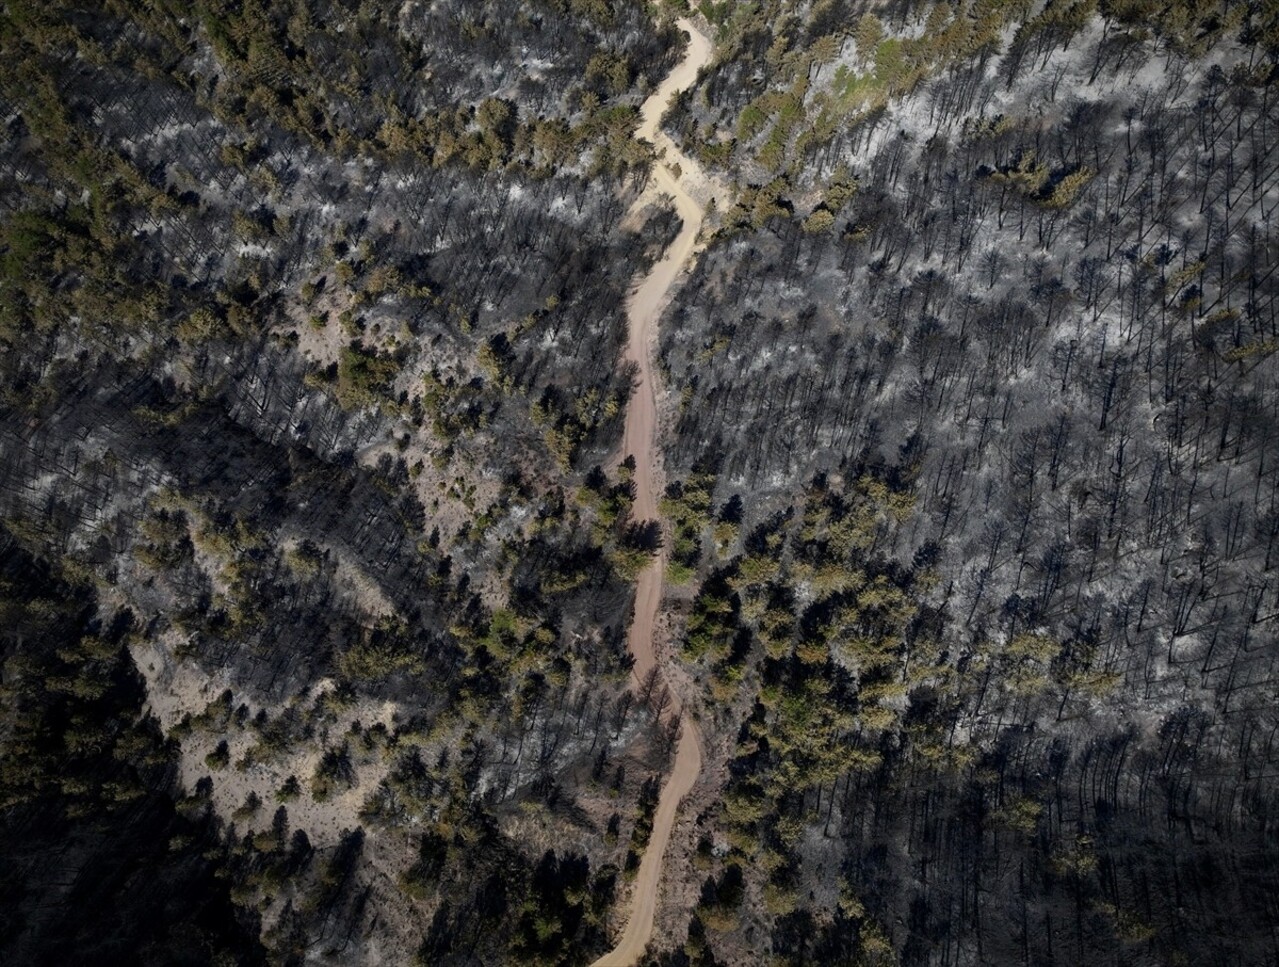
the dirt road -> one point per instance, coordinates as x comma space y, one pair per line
639, 439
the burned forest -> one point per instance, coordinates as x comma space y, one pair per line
577, 482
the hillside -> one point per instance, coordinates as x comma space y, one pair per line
305, 391
429, 484
973, 454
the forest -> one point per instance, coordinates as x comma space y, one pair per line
317, 543
974, 487
314, 574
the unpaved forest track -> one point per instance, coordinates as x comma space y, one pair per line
639, 439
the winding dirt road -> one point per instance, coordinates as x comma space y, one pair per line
639, 439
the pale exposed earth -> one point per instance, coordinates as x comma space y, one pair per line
689, 191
